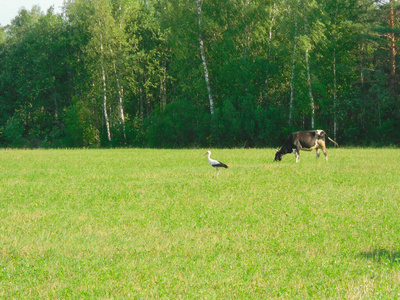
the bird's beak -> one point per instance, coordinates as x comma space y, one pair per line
204, 154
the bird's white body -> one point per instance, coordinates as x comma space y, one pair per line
215, 163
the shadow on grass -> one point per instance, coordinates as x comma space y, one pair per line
382, 256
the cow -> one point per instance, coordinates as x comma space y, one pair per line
304, 140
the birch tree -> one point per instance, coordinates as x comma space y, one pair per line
101, 21
105, 52
203, 57
103, 72
120, 96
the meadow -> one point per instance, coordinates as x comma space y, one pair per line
155, 224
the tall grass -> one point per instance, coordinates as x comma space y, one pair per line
140, 223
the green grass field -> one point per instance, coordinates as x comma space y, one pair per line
149, 224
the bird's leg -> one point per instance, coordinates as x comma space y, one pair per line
216, 169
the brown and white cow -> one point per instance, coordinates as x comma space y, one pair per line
304, 140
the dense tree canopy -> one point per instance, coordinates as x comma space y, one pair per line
174, 73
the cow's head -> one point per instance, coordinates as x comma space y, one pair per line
278, 155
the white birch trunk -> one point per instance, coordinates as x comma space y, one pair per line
272, 22
120, 97
203, 59
269, 49
292, 77
104, 88
119, 87
309, 79
120, 102
105, 104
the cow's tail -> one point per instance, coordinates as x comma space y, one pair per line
336, 144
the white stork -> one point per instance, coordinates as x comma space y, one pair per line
215, 163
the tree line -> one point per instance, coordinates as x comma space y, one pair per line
200, 73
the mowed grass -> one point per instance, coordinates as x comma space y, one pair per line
149, 224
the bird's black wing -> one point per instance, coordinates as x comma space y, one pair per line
221, 165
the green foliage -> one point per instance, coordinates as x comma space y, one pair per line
249, 125
79, 126
136, 68
179, 125
13, 132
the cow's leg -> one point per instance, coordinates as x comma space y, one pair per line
317, 150
325, 153
297, 150
297, 153
322, 145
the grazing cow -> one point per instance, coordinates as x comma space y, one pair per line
304, 140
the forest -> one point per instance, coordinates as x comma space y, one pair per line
200, 73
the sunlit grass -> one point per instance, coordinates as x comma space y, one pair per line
140, 223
